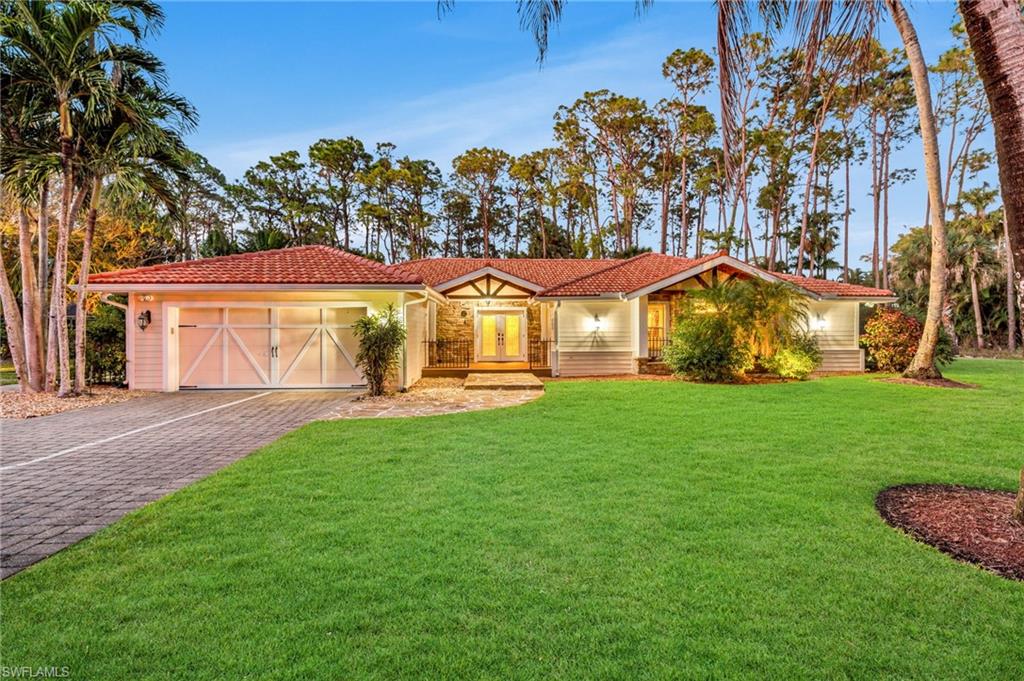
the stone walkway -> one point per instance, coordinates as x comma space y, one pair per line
66, 476
402, 406
502, 381
432, 396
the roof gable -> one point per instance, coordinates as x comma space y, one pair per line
542, 273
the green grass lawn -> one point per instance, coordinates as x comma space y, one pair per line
607, 530
7, 374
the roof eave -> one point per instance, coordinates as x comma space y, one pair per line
128, 287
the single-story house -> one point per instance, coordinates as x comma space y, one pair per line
283, 318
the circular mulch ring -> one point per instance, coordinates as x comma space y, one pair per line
930, 383
969, 524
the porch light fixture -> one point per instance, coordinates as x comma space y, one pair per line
595, 323
144, 319
819, 323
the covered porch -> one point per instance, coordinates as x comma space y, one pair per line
488, 324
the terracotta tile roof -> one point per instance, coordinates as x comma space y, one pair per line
823, 287
299, 265
627, 275
650, 268
542, 272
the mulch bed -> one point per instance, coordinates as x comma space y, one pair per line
16, 405
930, 383
969, 524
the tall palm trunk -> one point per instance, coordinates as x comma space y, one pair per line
43, 270
1011, 304
923, 364
14, 325
31, 321
979, 326
83, 280
996, 34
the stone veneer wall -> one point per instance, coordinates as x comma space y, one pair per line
455, 319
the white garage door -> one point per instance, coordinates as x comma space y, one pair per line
268, 347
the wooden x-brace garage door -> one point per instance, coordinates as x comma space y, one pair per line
261, 347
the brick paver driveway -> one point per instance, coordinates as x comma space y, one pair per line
65, 476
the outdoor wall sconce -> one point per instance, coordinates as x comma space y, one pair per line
595, 323
144, 319
820, 323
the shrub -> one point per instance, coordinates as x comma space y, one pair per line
706, 347
381, 337
797, 359
891, 339
105, 345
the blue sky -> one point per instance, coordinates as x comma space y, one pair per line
267, 77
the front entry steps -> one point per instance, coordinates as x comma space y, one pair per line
517, 381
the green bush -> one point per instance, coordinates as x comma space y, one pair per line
890, 338
705, 347
797, 359
105, 345
381, 337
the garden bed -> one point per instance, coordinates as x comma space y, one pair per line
16, 405
969, 524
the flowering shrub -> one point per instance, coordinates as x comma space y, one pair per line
891, 339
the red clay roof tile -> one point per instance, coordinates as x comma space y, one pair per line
298, 265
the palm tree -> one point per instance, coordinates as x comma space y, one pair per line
136, 146
995, 29
61, 54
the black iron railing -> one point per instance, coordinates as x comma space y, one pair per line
657, 341
449, 354
540, 354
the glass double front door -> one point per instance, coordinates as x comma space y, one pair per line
501, 336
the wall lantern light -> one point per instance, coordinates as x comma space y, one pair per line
144, 319
595, 323
819, 323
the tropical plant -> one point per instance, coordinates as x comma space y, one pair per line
772, 315
708, 338
381, 337
798, 358
58, 65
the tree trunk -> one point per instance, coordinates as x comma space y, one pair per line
684, 212
485, 205
1018, 506
43, 270
31, 321
846, 227
58, 359
923, 364
83, 280
14, 324
979, 327
1011, 304
886, 154
876, 203
996, 35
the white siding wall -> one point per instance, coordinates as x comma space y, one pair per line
840, 317
146, 360
839, 339
586, 351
